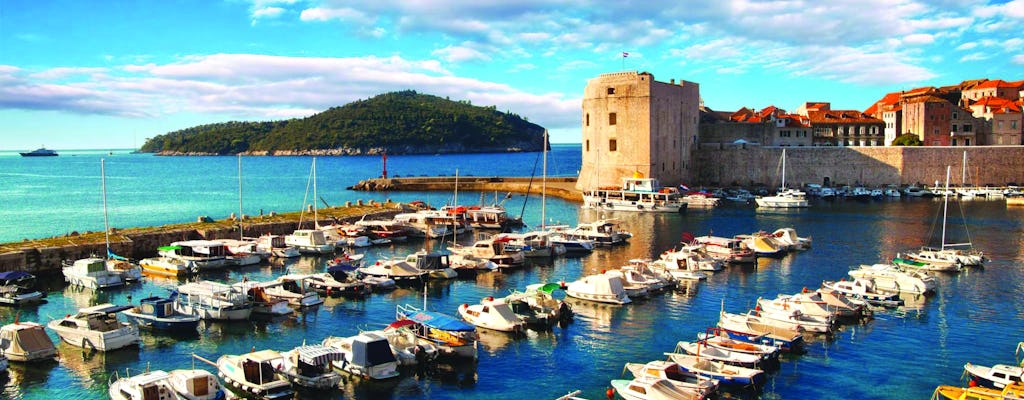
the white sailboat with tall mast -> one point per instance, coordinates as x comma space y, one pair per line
949, 256
785, 198
94, 272
119, 265
311, 241
242, 251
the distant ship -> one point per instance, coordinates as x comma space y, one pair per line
40, 152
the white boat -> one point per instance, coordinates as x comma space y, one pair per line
487, 217
386, 229
293, 288
639, 272
17, 288
96, 328
310, 367
724, 373
914, 191
242, 252
718, 354
730, 250
26, 342
367, 355
651, 388
425, 225
890, 277
91, 273
492, 314
399, 271
150, 385
255, 375
212, 300
532, 244
785, 198
262, 303
196, 384
449, 335
119, 265
693, 257
634, 290
673, 270
864, 289
276, 246
337, 282
763, 244
784, 315
309, 241
701, 200
603, 232
637, 194
437, 265
204, 254
166, 266
936, 259
600, 288
835, 302
676, 376
750, 327
406, 347
572, 245
547, 310
814, 305
717, 339
892, 191
788, 237
996, 376
492, 249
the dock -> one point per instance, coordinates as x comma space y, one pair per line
561, 187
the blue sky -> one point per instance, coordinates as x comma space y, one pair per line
84, 74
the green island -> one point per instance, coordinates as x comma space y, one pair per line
404, 122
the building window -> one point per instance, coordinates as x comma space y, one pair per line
611, 90
612, 144
954, 127
1013, 124
588, 144
1000, 124
954, 115
588, 119
967, 142
967, 128
954, 142
611, 118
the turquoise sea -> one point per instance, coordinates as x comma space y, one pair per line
976, 316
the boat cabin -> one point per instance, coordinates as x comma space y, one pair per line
259, 368
101, 318
156, 306
369, 350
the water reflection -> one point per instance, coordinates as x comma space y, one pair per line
93, 368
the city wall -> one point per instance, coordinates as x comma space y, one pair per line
725, 164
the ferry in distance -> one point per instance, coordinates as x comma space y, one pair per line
40, 152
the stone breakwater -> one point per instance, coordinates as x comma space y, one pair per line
46, 255
561, 187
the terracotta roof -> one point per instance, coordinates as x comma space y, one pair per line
919, 91
841, 117
990, 101
795, 121
767, 111
887, 100
1011, 108
927, 99
998, 83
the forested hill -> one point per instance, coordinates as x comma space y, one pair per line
397, 123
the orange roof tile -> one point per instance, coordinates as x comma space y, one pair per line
841, 116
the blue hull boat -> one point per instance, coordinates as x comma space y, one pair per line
157, 313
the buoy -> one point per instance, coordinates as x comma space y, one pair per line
805, 289
972, 383
610, 393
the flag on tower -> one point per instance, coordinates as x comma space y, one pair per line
625, 54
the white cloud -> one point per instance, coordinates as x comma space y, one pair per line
65, 72
967, 46
1013, 43
1013, 9
458, 54
267, 12
977, 56
327, 14
1018, 59
919, 39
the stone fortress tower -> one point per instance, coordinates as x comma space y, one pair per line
632, 123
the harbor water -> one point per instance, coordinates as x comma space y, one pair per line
976, 315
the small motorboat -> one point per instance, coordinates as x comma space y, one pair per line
437, 265
338, 283
262, 304
676, 376
151, 385
923, 265
784, 314
212, 300
724, 373
492, 314
891, 277
1010, 392
97, 328
407, 348
741, 327
167, 266
451, 336
26, 342
601, 288
295, 289
717, 339
367, 355
865, 289
158, 313
196, 384
17, 289
788, 237
651, 388
996, 376
400, 271
255, 374
718, 354
309, 367
91, 273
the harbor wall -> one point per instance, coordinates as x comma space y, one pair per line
48, 259
725, 165
561, 187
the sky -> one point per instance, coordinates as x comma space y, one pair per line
97, 74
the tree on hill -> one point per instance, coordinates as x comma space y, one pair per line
907, 139
397, 122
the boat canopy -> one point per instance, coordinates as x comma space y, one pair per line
370, 350
440, 321
319, 355
14, 275
168, 248
549, 288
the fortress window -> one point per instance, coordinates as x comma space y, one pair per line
588, 119
611, 90
611, 118
588, 144
612, 144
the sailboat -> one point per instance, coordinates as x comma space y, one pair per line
947, 257
242, 251
785, 198
311, 241
99, 273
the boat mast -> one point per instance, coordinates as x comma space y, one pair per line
240, 230
316, 220
106, 221
544, 185
963, 178
783, 169
945, 206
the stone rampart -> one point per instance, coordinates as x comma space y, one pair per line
873, 166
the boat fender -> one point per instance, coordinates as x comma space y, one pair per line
639, 206
610, 393
805, 290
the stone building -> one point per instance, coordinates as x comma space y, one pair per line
928, 117
842, 127
771, 126
632, 123
994, 88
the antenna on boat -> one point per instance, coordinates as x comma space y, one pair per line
106, 221
241, 231
544, 185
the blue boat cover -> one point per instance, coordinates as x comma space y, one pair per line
12, 275
342, 267
111, 254
440, 321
